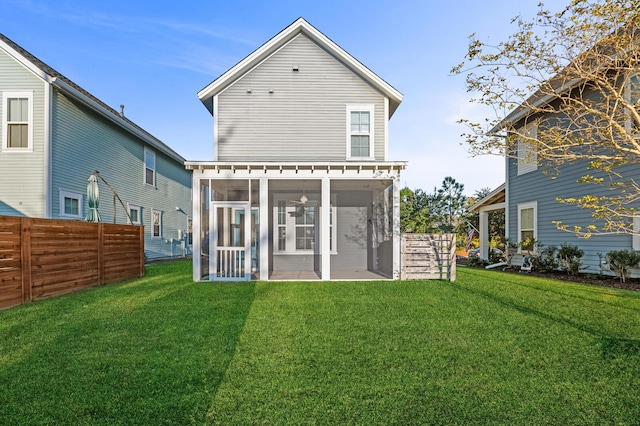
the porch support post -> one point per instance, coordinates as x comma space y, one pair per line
396, 228
325, 252
484, 234
264, 229
197, 209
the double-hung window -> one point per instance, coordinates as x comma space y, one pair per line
17, 121
296, 227
71, 205
360, 132
632, 94
149, 167
527, 221
305, 228
156, 223
527, 155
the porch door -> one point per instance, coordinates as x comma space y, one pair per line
230, 241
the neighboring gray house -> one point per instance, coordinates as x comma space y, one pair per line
300, 186
55, 134
531, 191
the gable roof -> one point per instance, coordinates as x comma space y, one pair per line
70, 88
300, 26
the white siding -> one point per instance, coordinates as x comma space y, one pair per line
304, 118
22, 174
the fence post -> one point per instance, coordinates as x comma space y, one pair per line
452, 258
100, 253
25, 253
141, 239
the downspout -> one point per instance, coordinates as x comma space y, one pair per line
48, 175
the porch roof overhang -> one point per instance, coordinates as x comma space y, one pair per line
291, 169
496, 197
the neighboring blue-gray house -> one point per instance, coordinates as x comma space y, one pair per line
300, 186
532, 189
54, 134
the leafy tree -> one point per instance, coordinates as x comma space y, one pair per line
416, 212
450, 202
574, 75
439, 211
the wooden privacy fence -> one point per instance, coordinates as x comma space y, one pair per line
40, 258
428, 256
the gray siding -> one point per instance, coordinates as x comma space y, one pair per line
305, 116
83, 142
22, 174
535, 186
353, 233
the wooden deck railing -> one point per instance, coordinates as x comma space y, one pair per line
40, 258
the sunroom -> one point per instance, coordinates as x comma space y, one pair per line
267, 221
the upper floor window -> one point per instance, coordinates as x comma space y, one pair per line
632, 94
527, 156
17, 121
71, 205
360, 134
149, 167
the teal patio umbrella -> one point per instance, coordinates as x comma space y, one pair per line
93, 195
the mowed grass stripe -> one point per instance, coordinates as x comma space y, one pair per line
491, 348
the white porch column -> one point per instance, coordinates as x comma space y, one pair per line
196, 208
264, 229
396, 228
325, 249
484, 234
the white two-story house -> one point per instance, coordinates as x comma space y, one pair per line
300, 186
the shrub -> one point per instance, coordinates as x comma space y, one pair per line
495, 256
529, 244
621, 262
547, 261
570, 258
476, 262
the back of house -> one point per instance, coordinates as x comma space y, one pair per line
300, 186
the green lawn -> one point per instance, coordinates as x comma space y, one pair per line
491, 348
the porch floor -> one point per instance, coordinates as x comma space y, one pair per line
335, 276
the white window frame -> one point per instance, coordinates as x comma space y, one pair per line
75, 196
155, 212
525, 206
290, 227
5, 121
635, 238
627, 96
527, 155
144, 167
370, 108
138, 209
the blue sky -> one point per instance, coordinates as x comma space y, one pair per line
153, 56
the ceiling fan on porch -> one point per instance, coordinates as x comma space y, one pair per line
301, 205
303, 201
